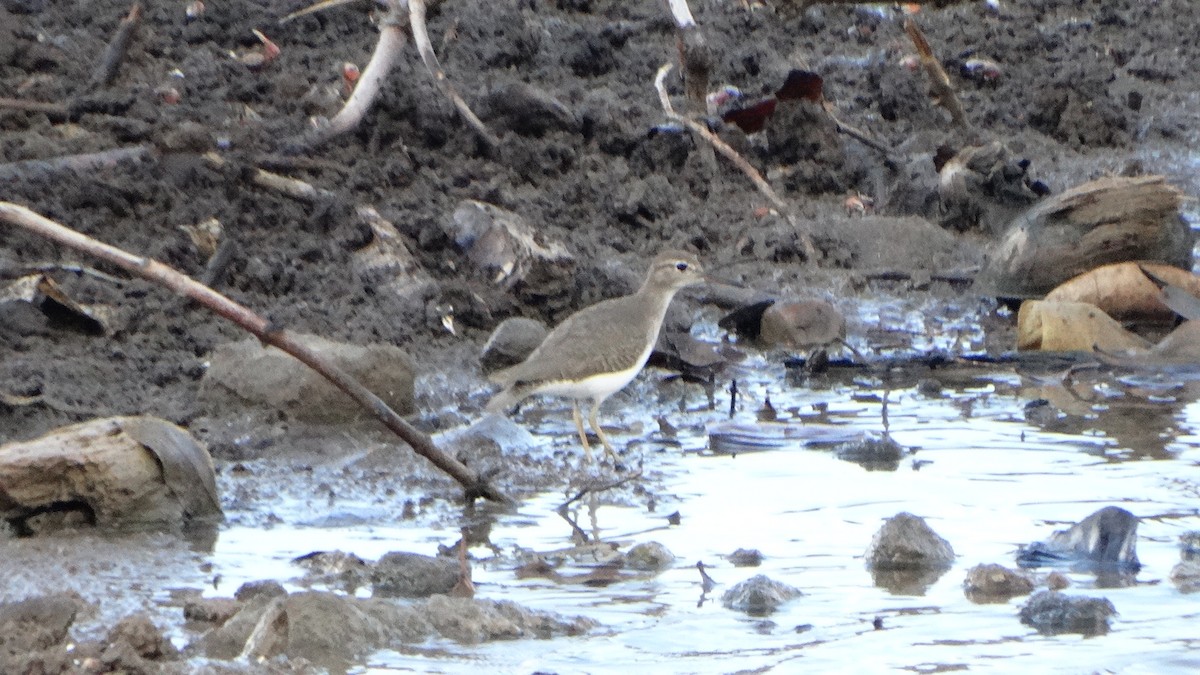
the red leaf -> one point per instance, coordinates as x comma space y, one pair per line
801, 84
753, 118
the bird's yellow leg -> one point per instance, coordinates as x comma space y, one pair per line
608, 448
587, 448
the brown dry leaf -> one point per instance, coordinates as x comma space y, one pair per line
1123, 292
1071, 326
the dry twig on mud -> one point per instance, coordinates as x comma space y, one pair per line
387, 51
810, 250
114, 53
939, 82
165, 276
695, 56
416, 15
86, 162
292, 187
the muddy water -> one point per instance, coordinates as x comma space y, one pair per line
985, 478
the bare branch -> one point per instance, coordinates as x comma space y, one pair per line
732, 155
168, 277
416, 16
387, 51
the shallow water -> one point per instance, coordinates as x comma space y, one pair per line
983, 477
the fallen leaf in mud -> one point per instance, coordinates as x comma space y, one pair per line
1122, 291
386, 260
1071, 326
799, 85
44, 293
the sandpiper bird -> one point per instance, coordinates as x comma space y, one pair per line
598, 350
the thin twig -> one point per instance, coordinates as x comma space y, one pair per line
732, 155
51, 109
416, 17
88, 162
292, 187
598, 487
114, 53
168, 277
939, 82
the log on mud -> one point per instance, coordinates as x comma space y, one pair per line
107, 472
1104, 221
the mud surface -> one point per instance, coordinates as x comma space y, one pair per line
1086, 89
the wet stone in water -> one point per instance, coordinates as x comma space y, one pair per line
746, 557
266, 588
759, 595
906, 542
873, 454
995, 583
1055, 613
411, 575
649, 556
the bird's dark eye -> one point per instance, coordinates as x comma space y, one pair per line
681, 266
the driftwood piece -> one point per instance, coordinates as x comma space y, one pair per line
1104, 221
108, 472
416, 17
152, 270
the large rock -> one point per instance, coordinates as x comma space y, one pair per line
270, 377
906, 542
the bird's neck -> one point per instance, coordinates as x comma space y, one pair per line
654, 301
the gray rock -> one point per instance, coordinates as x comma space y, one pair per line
266, 588
1055, 613
872, 453
906, 542
759, 595
412, 575
48, 615
525, 109
649, 556
995, 583
511, 341
745, 557
264, 375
